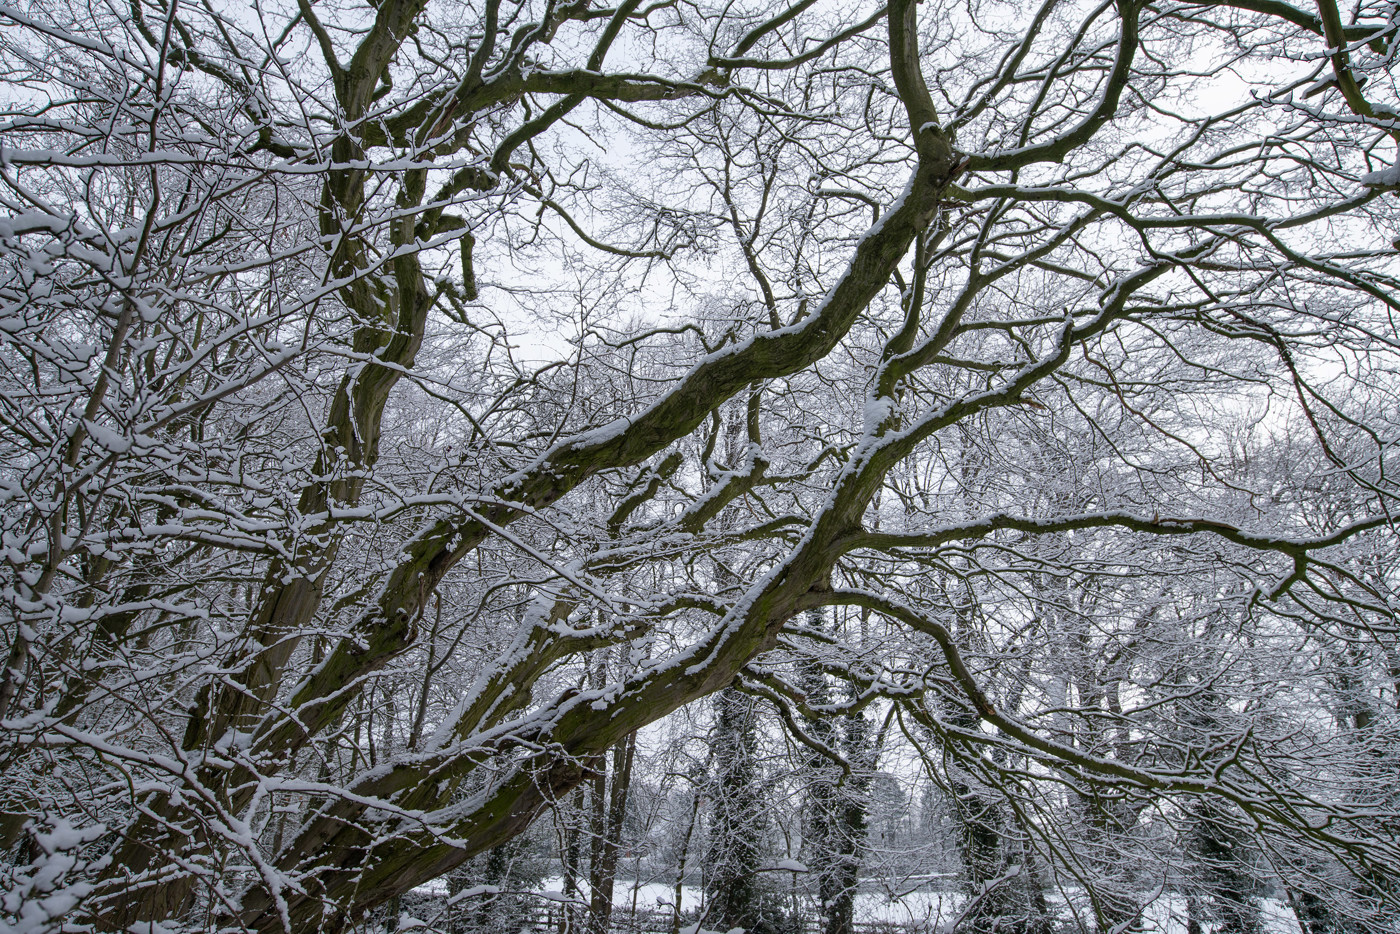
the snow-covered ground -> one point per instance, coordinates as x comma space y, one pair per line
922, 910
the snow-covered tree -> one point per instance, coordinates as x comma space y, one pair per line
373, 371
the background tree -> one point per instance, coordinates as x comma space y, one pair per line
739, 822
838, 776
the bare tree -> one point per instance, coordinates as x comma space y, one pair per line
369, 371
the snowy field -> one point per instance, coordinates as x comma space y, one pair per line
928, 911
